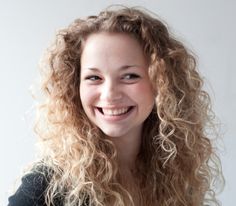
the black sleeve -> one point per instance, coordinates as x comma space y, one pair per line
31, 192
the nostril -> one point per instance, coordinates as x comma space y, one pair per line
111, 94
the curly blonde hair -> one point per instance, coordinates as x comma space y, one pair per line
177, 163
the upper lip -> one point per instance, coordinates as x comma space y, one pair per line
114, 107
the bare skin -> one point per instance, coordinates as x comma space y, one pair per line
113, 75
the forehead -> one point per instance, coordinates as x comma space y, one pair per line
112, 48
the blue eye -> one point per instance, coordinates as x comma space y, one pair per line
93, 78
131, 76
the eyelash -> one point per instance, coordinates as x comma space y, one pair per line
93, 78
131, 76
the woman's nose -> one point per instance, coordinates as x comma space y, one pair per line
111, 92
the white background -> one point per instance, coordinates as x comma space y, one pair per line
27, 28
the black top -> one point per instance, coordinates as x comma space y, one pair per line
31, 192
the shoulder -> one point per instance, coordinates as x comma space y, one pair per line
31, 192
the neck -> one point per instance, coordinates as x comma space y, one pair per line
128, 147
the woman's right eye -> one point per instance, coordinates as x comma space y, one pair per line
93, 78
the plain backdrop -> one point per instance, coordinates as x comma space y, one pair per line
28, 26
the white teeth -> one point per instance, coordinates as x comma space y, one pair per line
115, 112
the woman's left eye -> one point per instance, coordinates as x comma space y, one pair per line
131, 76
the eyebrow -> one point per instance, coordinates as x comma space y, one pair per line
120, 68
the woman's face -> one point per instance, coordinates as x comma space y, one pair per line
115, 89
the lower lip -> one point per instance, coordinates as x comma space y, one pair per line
114, 118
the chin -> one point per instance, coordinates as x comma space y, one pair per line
114, 134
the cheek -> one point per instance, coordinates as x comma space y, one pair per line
142, 90
144, 96
86, 95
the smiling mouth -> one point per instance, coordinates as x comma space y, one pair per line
115, 112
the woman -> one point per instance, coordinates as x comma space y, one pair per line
124, 118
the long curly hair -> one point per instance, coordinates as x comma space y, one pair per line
177, 163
